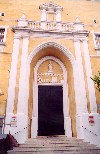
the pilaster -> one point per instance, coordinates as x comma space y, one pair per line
12, 83
79, 77
13, 73
22, 107
22, 96
92, 98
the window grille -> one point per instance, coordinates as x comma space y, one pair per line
2, 32
1, 124
97, 41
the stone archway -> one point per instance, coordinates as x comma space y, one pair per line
66, 55
67, 121
63, 49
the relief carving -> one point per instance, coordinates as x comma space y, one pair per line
50, 76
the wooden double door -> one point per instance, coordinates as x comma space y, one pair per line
50, 110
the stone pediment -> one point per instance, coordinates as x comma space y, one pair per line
50, 7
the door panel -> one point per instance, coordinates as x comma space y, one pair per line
50, 110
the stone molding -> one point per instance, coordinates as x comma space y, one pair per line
55, 45
49, 33
45, 28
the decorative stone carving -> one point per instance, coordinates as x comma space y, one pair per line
50, 7
23, 22
50, 67
78, 26
50, 76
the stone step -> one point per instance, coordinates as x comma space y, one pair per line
55, 145
52, 141
54, 152
58, 145
55, 148
55, 138
48, 143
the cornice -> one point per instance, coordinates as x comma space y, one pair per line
25, 31
86, 33
19, 29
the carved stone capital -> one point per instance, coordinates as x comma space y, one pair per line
17, 36
76, 39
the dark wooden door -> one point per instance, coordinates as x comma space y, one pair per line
50, 110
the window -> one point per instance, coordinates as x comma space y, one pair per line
97, 41
96, 37
1, 124
2, 33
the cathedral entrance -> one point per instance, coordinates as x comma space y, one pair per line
50, 110
50, 99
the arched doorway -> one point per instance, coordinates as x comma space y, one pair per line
47, 84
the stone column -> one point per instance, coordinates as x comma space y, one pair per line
22, 108
80, 91
12, 82
80, 78
34, 126
67, 119
92, 98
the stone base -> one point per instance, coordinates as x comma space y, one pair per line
87, 131
20, 131
67, 126
7, 129
34, 127
79, 129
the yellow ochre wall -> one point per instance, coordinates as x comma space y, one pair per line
86, 11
